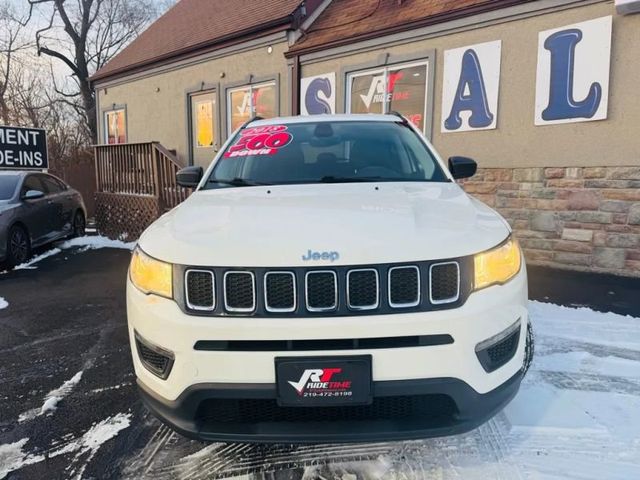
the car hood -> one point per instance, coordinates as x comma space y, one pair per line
364, 223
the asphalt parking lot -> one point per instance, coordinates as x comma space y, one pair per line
69, 408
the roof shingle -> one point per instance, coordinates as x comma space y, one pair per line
192, 24
346, 20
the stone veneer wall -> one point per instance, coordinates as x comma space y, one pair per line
575, 218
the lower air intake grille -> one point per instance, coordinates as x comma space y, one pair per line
239, 292
280, 291
199, 287
444, 282
252, 411
404, 287
321, 291
155, 359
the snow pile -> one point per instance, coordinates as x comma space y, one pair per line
52, 399
83, 243
12, 457
3, 303
28, 265
96, 242
54, 396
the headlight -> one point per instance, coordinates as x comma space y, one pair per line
151, 275
497, 265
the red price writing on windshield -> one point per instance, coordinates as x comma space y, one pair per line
260, 141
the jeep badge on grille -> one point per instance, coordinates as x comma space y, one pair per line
311, 255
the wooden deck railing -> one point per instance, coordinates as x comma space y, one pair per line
136, 183
139, 169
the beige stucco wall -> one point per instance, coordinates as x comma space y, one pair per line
156, 104
517, 142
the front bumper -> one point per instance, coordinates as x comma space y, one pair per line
471, 409
449, 370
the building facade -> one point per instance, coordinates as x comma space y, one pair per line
542, 94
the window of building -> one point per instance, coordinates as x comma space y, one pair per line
203, 127
244, 103
204, 124
115, 126
400, 88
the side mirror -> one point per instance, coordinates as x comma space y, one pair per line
462, 167
33, 195
189, 177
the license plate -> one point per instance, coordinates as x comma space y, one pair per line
324, 381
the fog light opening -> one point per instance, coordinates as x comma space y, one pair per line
157, 360
496, 351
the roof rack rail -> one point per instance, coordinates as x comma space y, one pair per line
257, 117
399, 115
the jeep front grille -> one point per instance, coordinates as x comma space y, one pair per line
334, 291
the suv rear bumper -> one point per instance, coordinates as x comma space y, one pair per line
461, 409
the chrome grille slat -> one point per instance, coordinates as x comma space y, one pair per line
280, 292
321, 290
200, 287
444, 284
400, 281
363, 289
239, 296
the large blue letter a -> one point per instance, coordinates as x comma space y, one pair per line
475, 101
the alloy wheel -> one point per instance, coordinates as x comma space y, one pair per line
19, 246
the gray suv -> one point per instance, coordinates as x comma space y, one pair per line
35, 209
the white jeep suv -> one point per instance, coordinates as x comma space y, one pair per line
328, 281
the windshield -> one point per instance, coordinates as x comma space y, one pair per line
325, 152
8, 184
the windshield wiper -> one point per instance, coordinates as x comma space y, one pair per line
238, 182
335, 179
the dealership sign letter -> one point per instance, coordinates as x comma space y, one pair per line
573, 73
471, 84
318, 94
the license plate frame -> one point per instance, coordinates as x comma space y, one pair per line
344, 380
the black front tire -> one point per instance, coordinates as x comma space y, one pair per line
79, 225
18, 246
529, 349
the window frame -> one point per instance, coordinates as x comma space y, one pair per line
105, 115
427, 62
37, 178
250, 87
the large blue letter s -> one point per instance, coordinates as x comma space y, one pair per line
314, 104
562, 105
476, 101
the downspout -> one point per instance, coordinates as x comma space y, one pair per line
295, 86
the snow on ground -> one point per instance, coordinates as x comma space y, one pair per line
3, 303
85, 243
96, 241
577, 416
28, 265
13, 456
52, 399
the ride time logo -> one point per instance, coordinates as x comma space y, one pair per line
320, 380
377, 94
